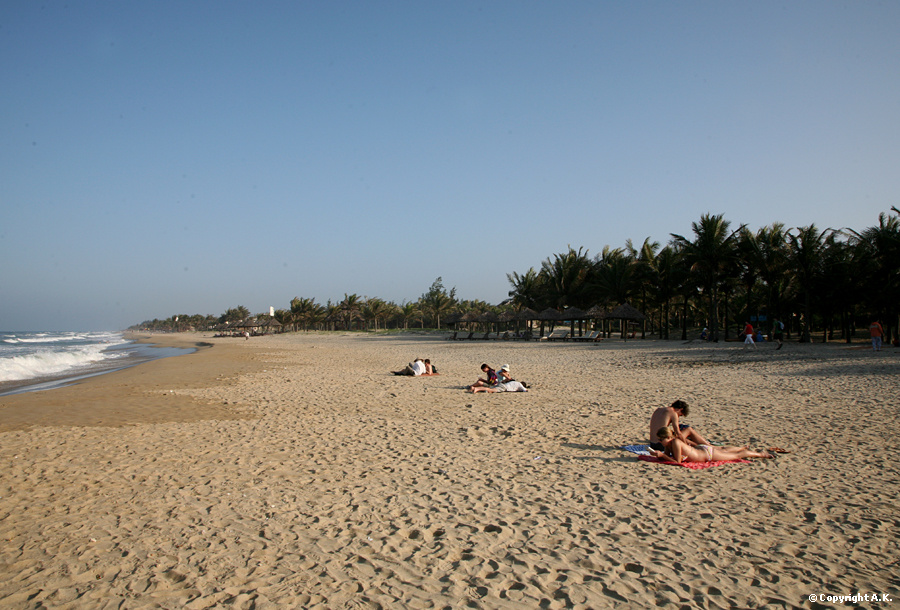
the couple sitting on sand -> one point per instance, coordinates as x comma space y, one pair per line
497, 382
418, 368
681, 443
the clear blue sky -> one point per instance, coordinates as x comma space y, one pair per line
168, 157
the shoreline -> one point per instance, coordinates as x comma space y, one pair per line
146, 392
343, 485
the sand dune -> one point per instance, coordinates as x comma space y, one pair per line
297, 471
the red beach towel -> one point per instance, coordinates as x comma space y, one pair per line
692, 465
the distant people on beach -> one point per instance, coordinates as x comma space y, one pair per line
748, 335
505, 382
418, 368
664, 417
877, 332
678, 451
778, 332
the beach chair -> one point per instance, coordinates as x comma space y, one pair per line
558, 335
452, 336
485, 337
463, 336
591, 336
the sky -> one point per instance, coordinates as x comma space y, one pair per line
163, 158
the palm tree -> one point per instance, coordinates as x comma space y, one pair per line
767, 252
285, 317
526, 289
374, 309
836, 287
565, 278
805, 255
350, 309
709, 255
665, 283
879, 247
438, 301
408, 312
331, 313
643, 261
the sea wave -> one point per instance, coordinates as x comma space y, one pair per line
53, 362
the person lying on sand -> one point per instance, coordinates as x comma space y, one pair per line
668, 416
418, 368
509, 386
676, 450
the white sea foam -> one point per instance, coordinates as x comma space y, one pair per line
31, 355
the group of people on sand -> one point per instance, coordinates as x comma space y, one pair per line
497, 381
418, 368
494, 381
679, 442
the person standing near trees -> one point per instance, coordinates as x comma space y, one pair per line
876, 331
778, 332
748, 335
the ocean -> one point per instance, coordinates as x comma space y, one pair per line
33, 361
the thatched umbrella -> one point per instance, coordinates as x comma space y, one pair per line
505, 318
596, 313
469, 316
269, 324
452, 318
527, 314
626, 312
489, 318
548, 315
572, 314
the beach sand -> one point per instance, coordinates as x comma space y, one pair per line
296, 471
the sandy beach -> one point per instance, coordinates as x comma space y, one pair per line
296, 471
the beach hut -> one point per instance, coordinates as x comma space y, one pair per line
626, 312
573, 314
268, 324
526, 314
468, 317
548, 315
488, 318
597, 313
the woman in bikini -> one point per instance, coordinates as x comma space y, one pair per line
676, 450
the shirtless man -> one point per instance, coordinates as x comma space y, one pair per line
676, 450
668, 416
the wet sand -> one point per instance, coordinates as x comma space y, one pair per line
295, 470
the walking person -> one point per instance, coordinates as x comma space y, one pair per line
876, 331
778, 332
748, 335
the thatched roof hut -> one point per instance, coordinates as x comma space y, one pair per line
596, 313
626, 312
527, 314
549, 315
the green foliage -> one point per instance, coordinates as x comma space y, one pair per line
809, 278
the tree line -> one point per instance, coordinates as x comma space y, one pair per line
825, 283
